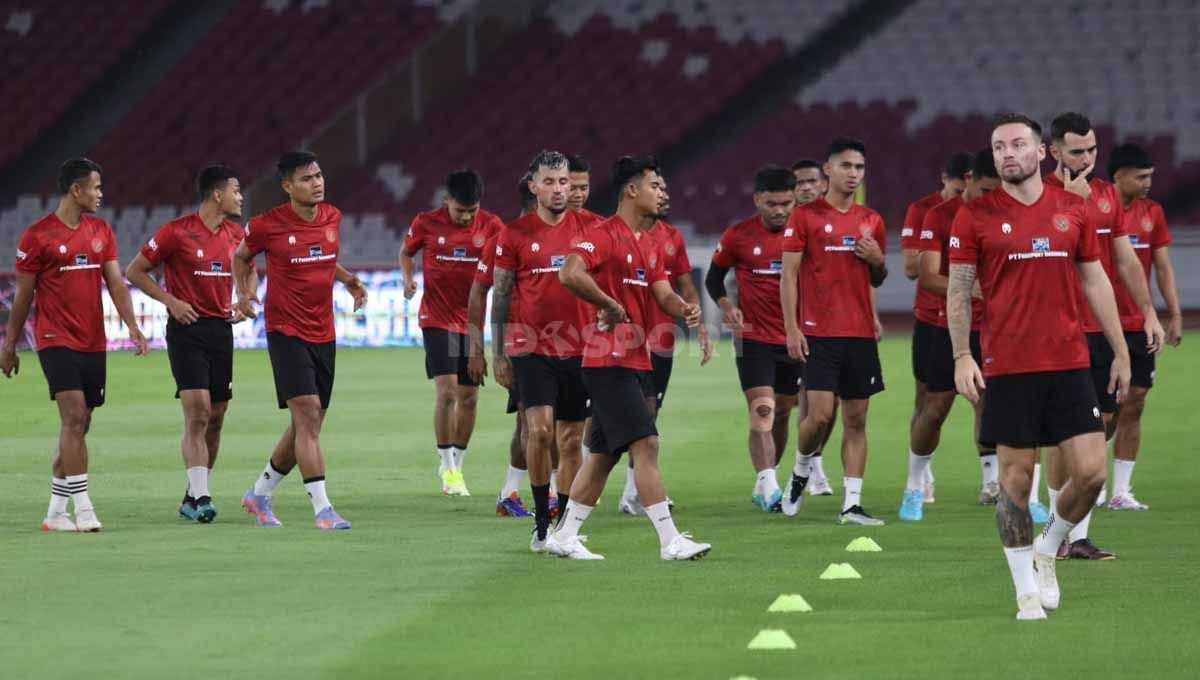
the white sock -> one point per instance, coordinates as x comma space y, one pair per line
660, 517
767, 483
457, 455
77, 485
929, 471
630, 484
316, 494
918, 468
576, 514
583, 448
1053, 494
268, 480
989, 466
1122, 477
1020, 565
853, 495
514, 480
816, 468
1037, 480
554, 482
445, 458
1052, 536
198, 481
803, 466
59, 495
1080, 531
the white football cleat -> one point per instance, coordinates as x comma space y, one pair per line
572, 548
819, 487
86, 520
1044, 568
631, 505
59, 522
793, 495
1029, 608
682, 547
538, 545
1126, 501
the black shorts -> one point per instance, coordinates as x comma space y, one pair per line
446, 354
620, 415
301, 367
1141, 361
1028, 410
514, 397
553, 381
66, 370
661, 376
1101, 357
939, 360
922, 346
763, 364
848, 367
201, 356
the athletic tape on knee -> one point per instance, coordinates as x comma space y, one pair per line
762, 414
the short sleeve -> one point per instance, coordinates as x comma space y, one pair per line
505, 252
933, 230
414, 240
909, 231
880, 234
964, 241
658, 268
795, 235
29, 254
1119, 228
1088, 248
256, 236
1161, 236
682, 264
723, 255
109, 253
595, 248
487, 258
160, 246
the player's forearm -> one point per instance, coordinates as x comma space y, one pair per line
911, 263
243, 275
575, 277
18, 314
934, 283
476, 302
714, 282
345, 276
788, 291
879, 273
1099, 293
408, 268
122, 301
140, 278
958, 307
502, 286
1165, 274
1134, 277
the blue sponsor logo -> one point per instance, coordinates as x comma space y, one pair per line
558, 260
849, 241
460, 252
776, 265
641, 274
1133, 238
217, 267
81, 259
1041, 245
314, 251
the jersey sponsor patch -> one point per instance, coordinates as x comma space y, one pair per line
558, 260
1041, 245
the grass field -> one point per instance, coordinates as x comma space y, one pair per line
426, 586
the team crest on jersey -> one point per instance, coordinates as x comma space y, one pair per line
535, 247
62, 250
1061, 222
314, 251
81, 259
865, 228
499, 250
478, 241
330, 235
1041, 245
1147, 224
670, 249
97, 245
654, 260
199, 252
217, 267
828, 228
291, 240
1105, 206
441, 240
757, 250
460, 252
1006, 228
628, 259
558, 260
641, 274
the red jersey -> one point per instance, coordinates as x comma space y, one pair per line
675, 264
1025, 258
68, 266
589, 218
1146, 226
301, 263
197, 262
1106, 213
835, 285
935, 237
755, 253
551, 318
624, 265
451, 258
926, 305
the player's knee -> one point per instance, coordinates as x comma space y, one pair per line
762, 414
539, 435
306, 414
76, 421
216, 421
854, 423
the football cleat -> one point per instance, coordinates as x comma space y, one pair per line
682, 547
989, 494
912, 506
1126, 501
1039, 513
329, 519
86, 520
572, 548
1047, 580
260, 507
1029, 608
856, 515
512, 507
59, 522
793, 495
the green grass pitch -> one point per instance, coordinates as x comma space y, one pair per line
426, 586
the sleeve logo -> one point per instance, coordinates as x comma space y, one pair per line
926, 234
587, 245
482, 267
153, 244
907, 231
954, 242
21, 255
788, 232
499, 250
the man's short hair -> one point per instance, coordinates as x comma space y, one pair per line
1129, 156
212, 178
74, 170
577, 163
840, 144
774, 178
629, 168
524, 195
1011, 118
465, 186
984, 165
805, 163
547, 159
958, 165
1075, 123
290, 160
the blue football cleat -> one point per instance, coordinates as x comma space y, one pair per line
1039, 513
512, 507
772, 503
260, 507
912, 508
329, 519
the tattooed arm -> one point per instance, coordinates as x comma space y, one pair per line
502, 286
967, 377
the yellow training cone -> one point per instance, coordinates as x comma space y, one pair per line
790, 603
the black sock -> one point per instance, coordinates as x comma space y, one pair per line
460, 447
987, 452
187, 497
562, 507
541, 508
